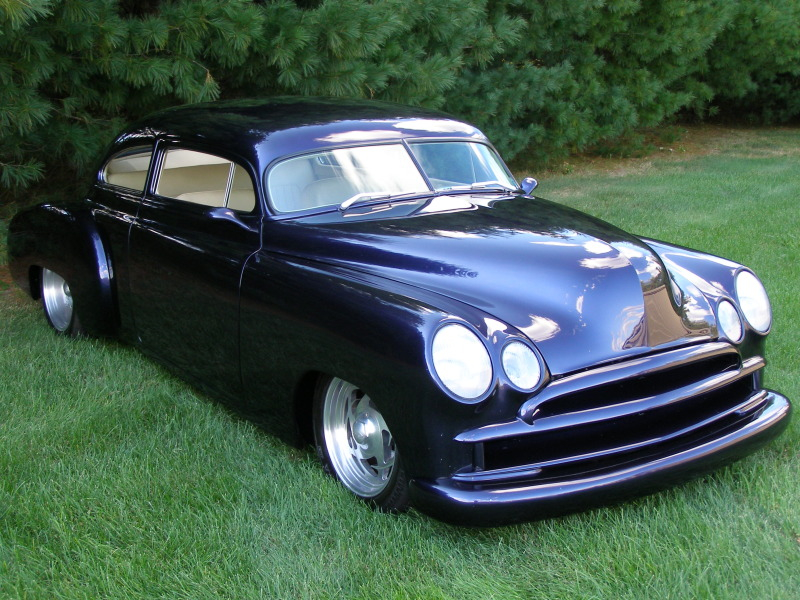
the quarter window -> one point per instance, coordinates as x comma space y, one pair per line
206, 179
128, 169
242, 195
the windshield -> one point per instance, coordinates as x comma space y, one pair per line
333, 177
459, 164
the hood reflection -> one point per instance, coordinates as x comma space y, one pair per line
563, 279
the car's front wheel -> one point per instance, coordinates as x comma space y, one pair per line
57, 303
355, 445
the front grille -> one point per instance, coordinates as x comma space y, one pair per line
598, 445
619, 415
643, 386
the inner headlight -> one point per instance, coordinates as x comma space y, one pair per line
730, 325
753, 301
461, 361
521, 366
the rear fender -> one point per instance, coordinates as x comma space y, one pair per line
65, 240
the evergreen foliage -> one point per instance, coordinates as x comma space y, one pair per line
592, 70
72, 71
544, 78
754, 66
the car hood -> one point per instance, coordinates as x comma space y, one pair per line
582, 290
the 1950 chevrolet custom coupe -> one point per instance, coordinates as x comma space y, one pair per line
370, 278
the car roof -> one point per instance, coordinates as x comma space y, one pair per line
262, 131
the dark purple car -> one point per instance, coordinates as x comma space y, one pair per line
370, 278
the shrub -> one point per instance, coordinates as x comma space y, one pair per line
73, 70
591, 70
541, 78
754, 66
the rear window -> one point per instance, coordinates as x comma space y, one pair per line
128, 169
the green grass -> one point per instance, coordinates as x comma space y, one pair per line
119, 481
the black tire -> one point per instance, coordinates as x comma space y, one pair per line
57, 304
356, 447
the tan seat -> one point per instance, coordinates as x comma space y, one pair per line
324, 192
243, 199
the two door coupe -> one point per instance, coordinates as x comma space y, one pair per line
371, 279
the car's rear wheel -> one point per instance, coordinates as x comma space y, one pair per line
57, 303
355, 445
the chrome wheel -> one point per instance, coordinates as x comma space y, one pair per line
57, 301
358, 443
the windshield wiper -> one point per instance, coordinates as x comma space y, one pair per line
368, 198
480, 186
364, 197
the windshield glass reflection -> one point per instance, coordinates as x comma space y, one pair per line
457, 164
343, 176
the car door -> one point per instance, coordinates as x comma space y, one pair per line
188, 244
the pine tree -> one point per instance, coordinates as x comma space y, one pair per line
541, 78
590, 70
73, 71
754, 65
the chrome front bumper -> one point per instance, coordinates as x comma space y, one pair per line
609, 434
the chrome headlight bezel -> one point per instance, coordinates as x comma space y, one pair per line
522, 366
753, 301
729, 322
461, 362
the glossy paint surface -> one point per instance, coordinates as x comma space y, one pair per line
638, 391
264, 131
560, 278
523, 502
184, 288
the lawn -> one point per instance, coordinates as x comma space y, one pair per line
119, 481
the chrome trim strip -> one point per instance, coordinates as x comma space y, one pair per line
625, 409
755, 400
497, 475
609, 374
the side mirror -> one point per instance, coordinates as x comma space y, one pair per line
528, 184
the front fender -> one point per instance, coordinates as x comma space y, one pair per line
65, 240
715, 278
300, 317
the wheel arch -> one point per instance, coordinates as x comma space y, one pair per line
68, 242
301, 319
303, 402
35, 281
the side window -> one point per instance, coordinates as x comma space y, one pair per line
128, 168
242, 196
205, 179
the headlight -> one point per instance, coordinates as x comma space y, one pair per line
461, 361
730, 325
521, 366
753, 301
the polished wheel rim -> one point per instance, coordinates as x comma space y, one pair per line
57, 299
360, 446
